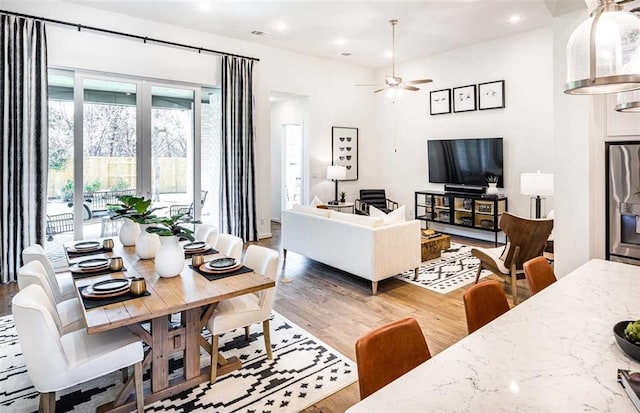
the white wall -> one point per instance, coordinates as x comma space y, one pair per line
333, 100
524, 61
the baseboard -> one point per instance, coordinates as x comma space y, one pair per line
266, 235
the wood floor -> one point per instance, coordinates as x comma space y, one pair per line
338, 308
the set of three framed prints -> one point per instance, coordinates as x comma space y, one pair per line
490, 95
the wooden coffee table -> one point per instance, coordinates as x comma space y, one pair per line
431, 248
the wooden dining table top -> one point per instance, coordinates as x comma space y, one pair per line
167, 295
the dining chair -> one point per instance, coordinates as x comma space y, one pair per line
61, 283
68, 313
526, 240
229, 245
483, 303
388, 352
207, 233
539, 274
58, 361
246, 309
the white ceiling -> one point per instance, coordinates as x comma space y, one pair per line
425, 27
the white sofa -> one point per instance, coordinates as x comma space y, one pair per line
361, 245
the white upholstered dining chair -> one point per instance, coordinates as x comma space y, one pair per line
246, 309
61, 283
67, 314
207, 233
229, 245
58, 361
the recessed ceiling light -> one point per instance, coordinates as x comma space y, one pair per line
281, 26
340, 41
204, 5
258, 33
514, 18
388, 54
345, 54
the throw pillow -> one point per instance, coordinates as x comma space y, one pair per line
371, 222
316, 201
394, 217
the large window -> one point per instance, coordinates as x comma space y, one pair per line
110, 136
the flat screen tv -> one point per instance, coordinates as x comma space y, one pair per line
465, 161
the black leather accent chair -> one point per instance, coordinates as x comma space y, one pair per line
377, 198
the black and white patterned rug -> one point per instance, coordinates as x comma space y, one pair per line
304, 370
455, 268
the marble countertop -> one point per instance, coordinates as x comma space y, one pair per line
555, 352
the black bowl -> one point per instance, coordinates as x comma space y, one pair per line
632, 350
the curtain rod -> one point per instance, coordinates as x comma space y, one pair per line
145, 39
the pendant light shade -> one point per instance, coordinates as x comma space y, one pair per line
628, 101
603, 53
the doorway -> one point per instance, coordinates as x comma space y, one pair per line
292, 146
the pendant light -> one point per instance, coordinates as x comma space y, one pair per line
629, 102
603, 53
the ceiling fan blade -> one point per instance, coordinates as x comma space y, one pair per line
380, 90
407, 87
417, 82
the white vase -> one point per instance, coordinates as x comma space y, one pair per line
129, 232
170, 257
147, 244
492, 190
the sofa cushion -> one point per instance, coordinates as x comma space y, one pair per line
394, 217
371, 222
311, 210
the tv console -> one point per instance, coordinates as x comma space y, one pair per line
477, 211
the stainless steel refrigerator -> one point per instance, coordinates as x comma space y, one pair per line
623, 201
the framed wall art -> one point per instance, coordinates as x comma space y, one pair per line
440, 101
344, 149
491, 95
464, 98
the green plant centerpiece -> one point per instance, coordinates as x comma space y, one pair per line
135, 208
492, 179
173, 225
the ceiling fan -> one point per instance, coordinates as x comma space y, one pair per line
393, 81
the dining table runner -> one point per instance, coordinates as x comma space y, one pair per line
90, 303
101, 250
212, 277
80, 275
210, 251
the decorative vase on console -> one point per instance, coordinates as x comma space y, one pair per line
147, 244
492, 181
170, 256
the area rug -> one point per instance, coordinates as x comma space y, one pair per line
455, 268
304, 370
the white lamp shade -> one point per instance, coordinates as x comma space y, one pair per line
537, 184
628, 101
336, 172
617, 61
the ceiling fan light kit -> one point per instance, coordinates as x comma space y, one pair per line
393, 81
603, 53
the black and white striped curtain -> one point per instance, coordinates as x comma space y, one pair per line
23, 125
237, 177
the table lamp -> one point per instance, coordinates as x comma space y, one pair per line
336, 173
537, 185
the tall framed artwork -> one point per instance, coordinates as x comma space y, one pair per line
464, 98
344, 149
491, 95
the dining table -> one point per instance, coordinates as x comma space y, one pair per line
190, 294
555, 352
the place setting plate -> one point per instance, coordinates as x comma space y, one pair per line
196, 247
90, 265
84, 246
107, 288
221, 265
